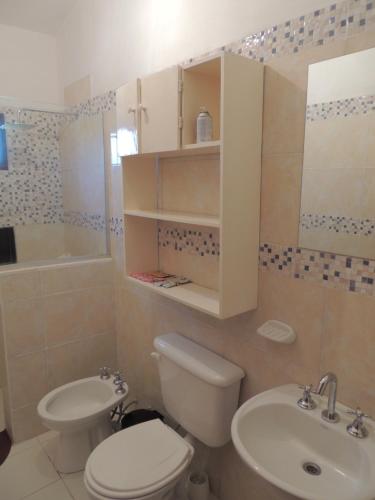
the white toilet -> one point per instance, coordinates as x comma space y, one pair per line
80, 412
145, 462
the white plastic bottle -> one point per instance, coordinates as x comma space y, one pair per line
204, 126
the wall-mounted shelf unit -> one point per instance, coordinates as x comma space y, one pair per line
194, 210
182, 217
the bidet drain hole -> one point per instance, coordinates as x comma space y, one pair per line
312, 469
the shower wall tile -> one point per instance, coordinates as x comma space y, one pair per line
31, 190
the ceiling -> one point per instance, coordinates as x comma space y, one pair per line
44, 16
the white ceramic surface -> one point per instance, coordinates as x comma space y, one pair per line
80, 412
275, 437
199, 388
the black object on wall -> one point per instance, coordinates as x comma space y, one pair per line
5, 446
8, 253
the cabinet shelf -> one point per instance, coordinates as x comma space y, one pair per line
195, 296
170, 182
203, 145
182, 217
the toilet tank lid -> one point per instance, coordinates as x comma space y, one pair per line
198, 360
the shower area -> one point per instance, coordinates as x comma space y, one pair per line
52, 185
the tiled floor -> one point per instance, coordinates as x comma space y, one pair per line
29, 473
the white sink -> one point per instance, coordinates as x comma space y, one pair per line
276, 438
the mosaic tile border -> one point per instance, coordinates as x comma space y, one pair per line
95, 105
337, 21
334, 271
116, 225
194, 240
97, 222
338, 224
342, 108
33, 215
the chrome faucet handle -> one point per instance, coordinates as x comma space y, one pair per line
118, 378
120, 389
105, 373
357, 427
306, 402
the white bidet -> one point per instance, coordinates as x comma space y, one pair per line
80, 412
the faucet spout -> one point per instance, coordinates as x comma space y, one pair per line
330, 380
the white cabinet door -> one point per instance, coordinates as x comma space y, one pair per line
127, 98
160, 111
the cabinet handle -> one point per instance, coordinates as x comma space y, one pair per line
131, 109
143, 108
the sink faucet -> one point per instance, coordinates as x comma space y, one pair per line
329, 415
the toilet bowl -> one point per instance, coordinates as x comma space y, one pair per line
80, 412
148, 461
143, 462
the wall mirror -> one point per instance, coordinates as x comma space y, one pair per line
338, 184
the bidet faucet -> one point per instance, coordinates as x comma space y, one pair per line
329, 379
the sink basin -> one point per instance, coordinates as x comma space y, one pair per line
299, 452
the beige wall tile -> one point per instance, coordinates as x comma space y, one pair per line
76, 276
280, 200
64, 316
20, 285
28, 379
349, 347
100, 310
65, 363
283, 114
26, 423
23, 326
99, 351
362, 41
202, 270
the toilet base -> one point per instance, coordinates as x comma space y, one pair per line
168, 492
74, 448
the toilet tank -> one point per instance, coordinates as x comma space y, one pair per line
200, 389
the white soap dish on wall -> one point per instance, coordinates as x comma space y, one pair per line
277, 331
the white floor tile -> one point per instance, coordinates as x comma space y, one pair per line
25, 473
74, 483
55, 491
50, 446
23, 446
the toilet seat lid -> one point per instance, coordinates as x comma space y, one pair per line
137, 460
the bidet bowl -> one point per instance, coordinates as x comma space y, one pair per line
299, 452
80, 412
79, 404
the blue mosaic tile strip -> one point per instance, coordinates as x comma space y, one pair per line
351, 274
191, 239
116, 226
342, 108
95, 105
338, 224
97, 222
337, 21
